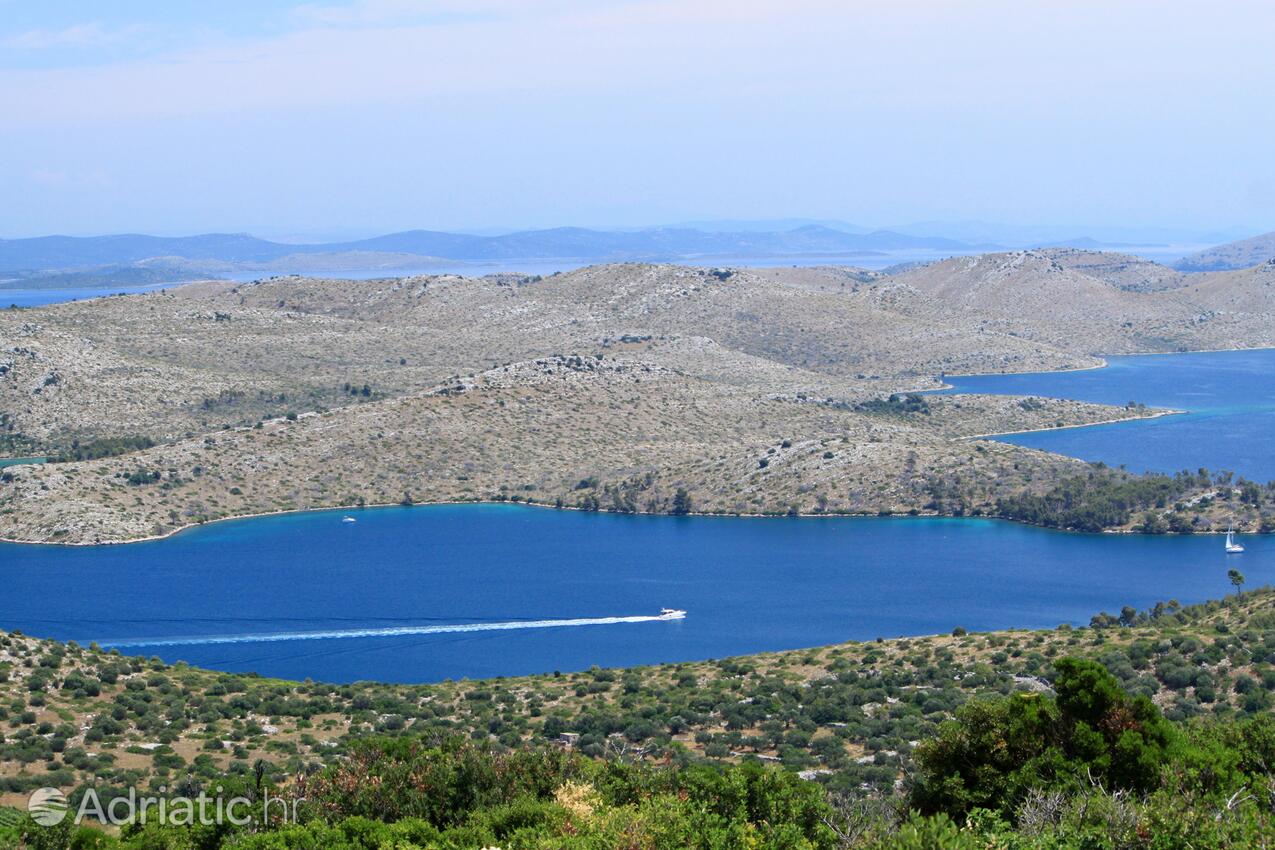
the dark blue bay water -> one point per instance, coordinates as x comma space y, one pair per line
1230, 396
480, 590
747, 584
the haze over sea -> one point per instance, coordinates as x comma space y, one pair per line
12, 292
39, 297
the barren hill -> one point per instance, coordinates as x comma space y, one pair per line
751, 390
168, 364
1050, 298
1243, 292
1124, 271
621, 433
1233, 255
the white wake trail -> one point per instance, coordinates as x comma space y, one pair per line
394, 631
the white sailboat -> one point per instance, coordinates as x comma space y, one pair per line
1232, 548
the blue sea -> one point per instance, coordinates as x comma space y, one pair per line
40, 297
413, 594
1229, 397
249, 595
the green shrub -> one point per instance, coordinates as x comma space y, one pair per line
994, 752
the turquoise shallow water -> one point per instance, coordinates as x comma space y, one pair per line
17, 461
747, 584
1230, 396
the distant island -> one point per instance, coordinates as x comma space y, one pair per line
1233, 255
130, 260
630, 387
109, 261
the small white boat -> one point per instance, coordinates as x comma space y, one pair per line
1232, 548
672, 614
348, 519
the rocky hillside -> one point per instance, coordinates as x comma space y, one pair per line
616, 432
750, 390
1124, 271
1248, 292
203, 356
1093, 303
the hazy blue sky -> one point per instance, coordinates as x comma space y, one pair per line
357, 117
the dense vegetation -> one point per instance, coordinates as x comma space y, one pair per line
1027, 770
896, 404
104, 447
1110, 498
12, 442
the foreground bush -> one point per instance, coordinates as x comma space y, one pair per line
468, 796
1088, 767
995, 752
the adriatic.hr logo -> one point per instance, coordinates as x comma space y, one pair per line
47, 806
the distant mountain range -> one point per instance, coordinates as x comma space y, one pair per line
129, 259
70, 253
1233, 255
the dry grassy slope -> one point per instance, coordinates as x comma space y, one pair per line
1032, 295
820, 278
1123, 271
536, 430
843, 332
1246, 292
202, 356
1233, 255
802, 317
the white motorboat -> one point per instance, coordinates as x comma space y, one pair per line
672, 614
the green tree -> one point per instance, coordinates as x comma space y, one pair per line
1237, 581
994, 752
1153, 523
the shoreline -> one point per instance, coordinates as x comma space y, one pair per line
1104, 364
1157, 415
543, 506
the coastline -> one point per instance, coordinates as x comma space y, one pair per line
1105, 362
544, 506
1102, 364
1157, 415
866, 514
